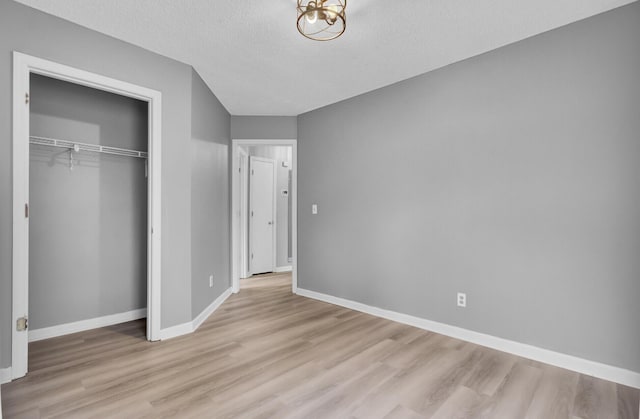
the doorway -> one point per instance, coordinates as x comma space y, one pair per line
241, 226
23, 67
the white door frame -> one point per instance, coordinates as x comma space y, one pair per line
274, 202
243, 191
23, 66
235, 210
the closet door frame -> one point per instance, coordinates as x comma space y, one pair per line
23, 66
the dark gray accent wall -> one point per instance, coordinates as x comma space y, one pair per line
35, 33
210, 132
512, 176
87, 223
264, 127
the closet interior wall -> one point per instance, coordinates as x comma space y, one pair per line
88, 214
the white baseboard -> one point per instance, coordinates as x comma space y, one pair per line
192, 326
5, 375
82, 325
175, 331
204, 315
583, 366
283, 269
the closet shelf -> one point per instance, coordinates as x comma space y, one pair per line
75, 146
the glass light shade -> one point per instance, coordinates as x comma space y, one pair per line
322, 20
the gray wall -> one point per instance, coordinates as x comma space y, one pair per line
283, 203
209, 196
512, 176
35, 33
87, 226
264, 127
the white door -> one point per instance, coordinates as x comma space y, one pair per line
262, 231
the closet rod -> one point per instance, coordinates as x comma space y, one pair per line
75, 146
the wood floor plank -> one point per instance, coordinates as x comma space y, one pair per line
339, 400
461, 404
442, 380
405, 384
401, 412
555, 394
514, 396
251, 397
314, 387
267, 353
488, 373
628, 402
411, 353
595, 399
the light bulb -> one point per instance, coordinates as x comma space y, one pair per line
331, 14
311, 17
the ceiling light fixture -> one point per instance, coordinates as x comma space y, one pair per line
322, 20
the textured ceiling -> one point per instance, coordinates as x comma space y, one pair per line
252, 57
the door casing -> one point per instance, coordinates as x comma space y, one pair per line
23, 66
243, 202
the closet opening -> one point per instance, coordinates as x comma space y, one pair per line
86, 204
87, 208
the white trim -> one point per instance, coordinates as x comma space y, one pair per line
82, 325
294, 216
23, 66
1, 382
204, 314
235, 214
583, 366
288, 268
192, 326
5, 375
154, 216
243, 188
274, 213
20, 245
175, 331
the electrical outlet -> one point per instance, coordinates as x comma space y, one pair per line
462, 299
210, 281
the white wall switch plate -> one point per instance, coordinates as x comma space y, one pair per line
210, 281
314, 209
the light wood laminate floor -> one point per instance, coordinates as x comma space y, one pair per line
268, 353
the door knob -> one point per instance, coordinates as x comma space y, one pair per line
270, 222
